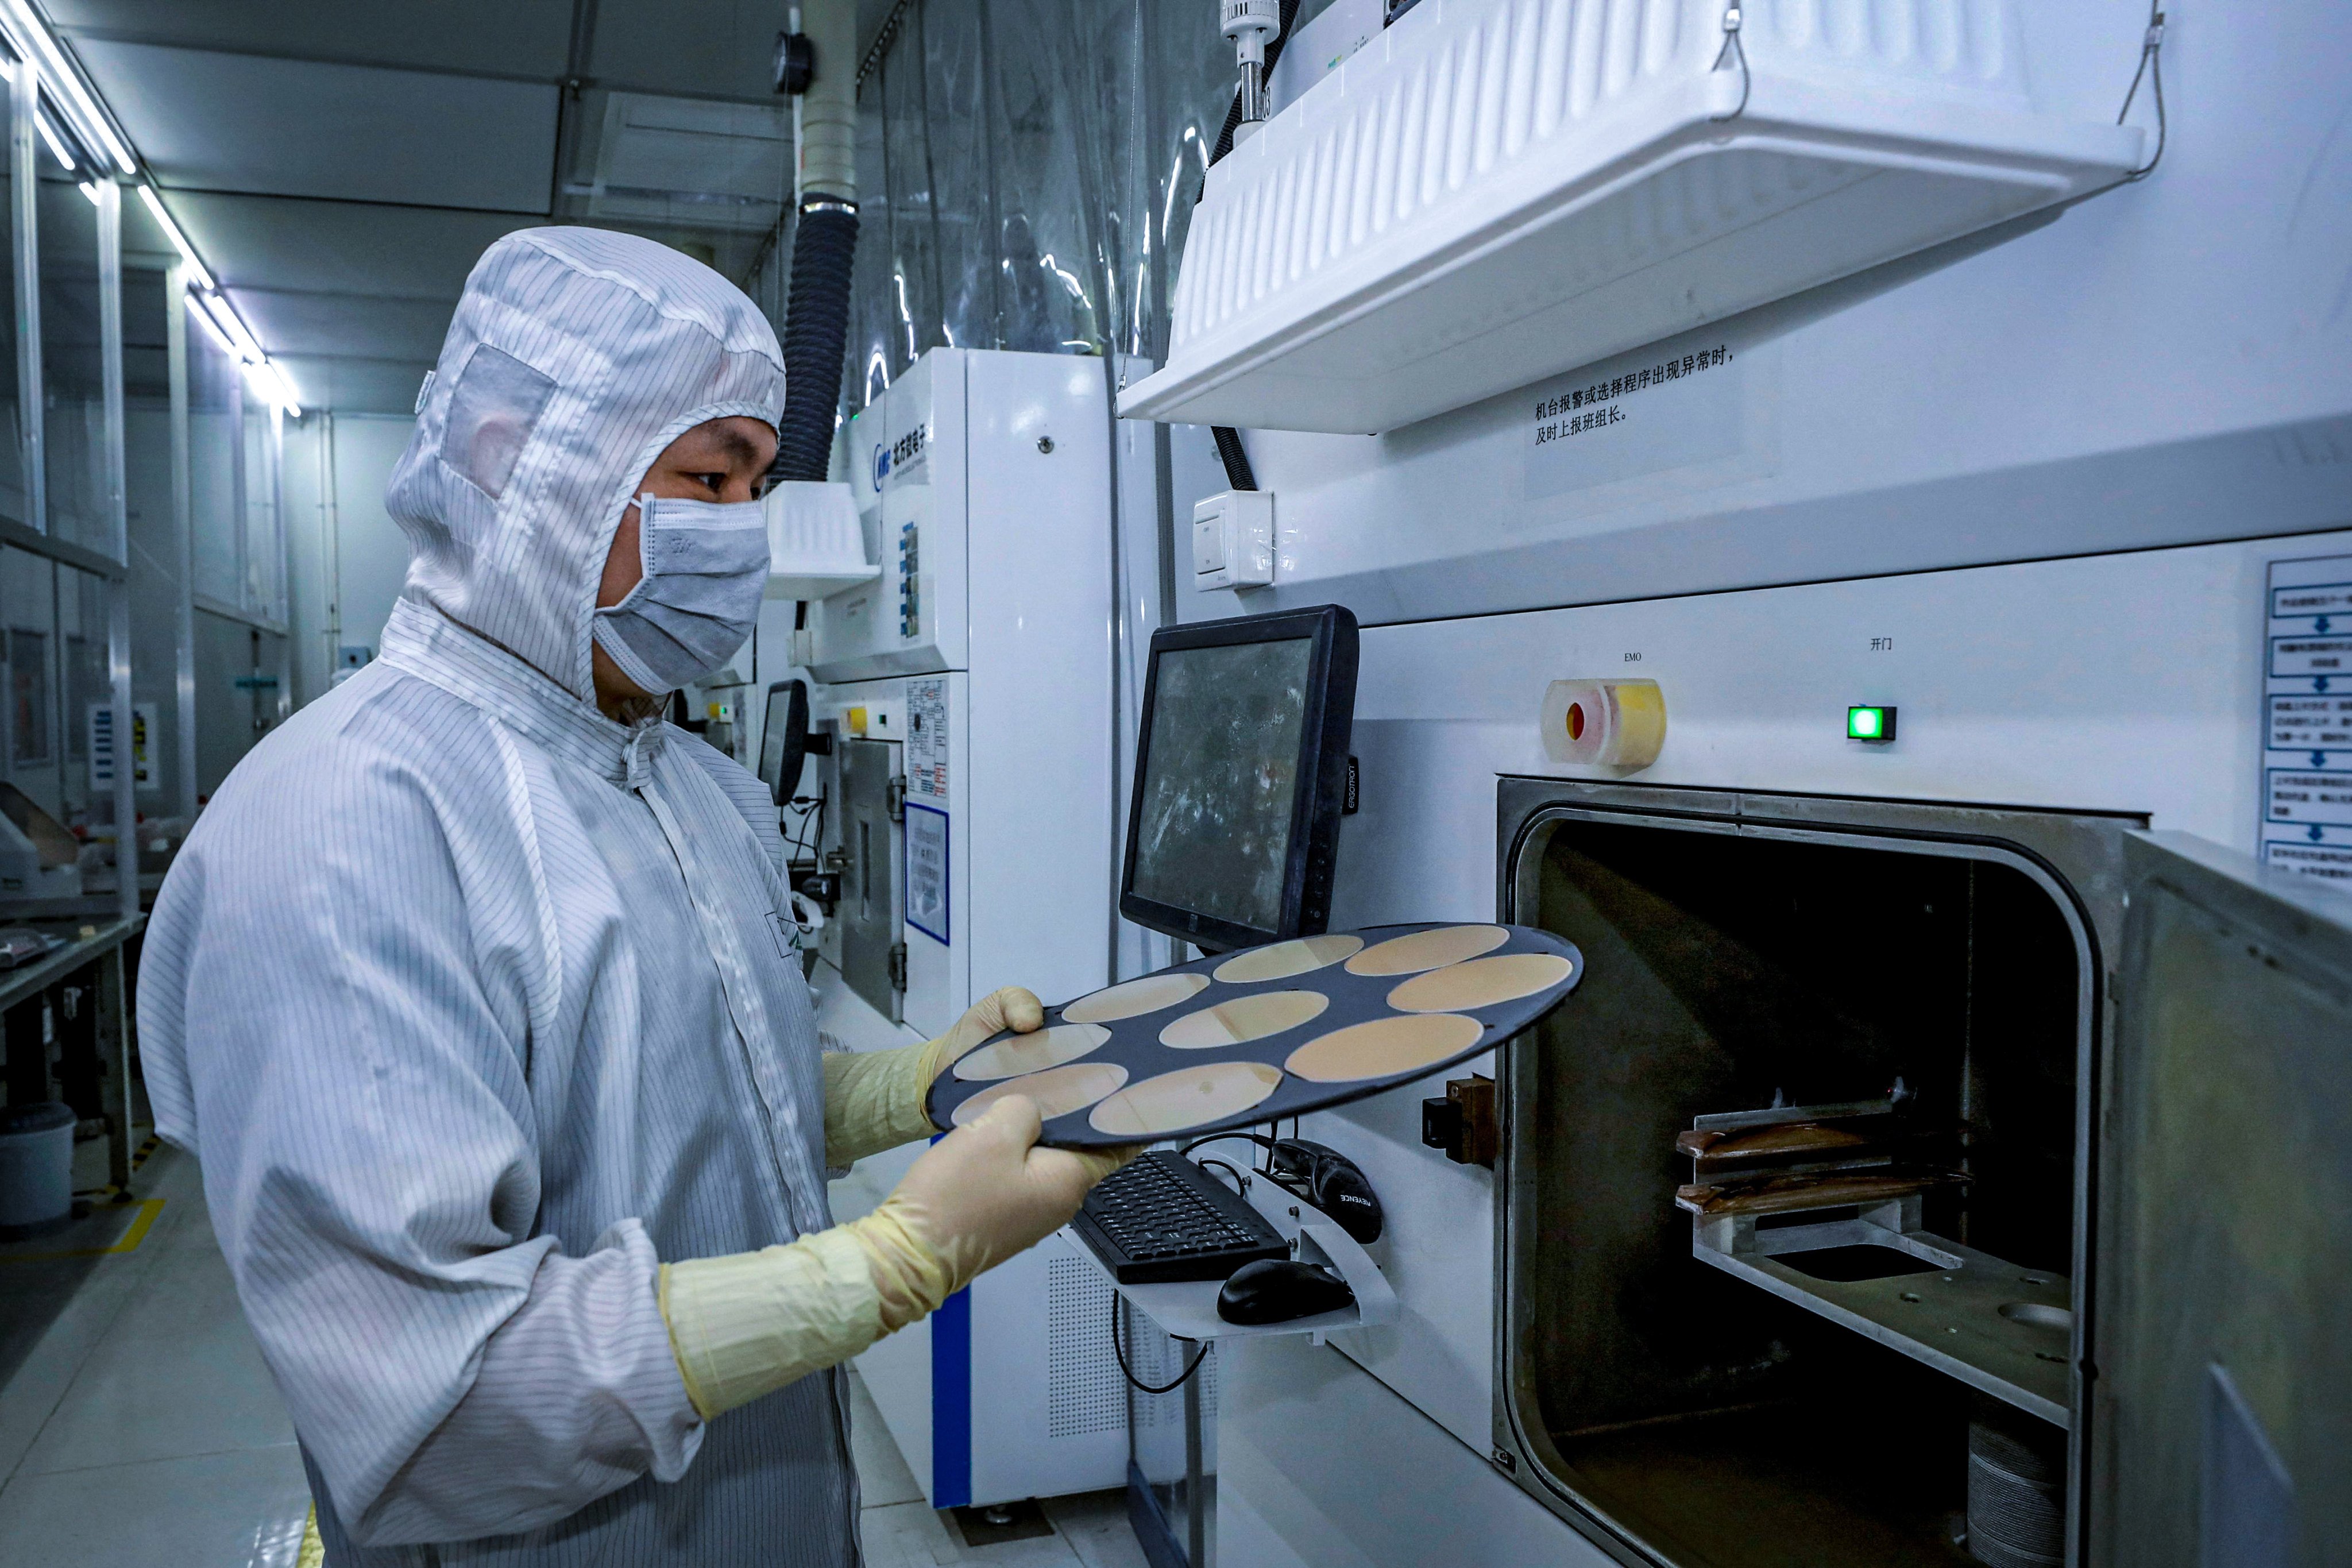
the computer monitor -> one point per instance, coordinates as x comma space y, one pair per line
1239, 770
783, 739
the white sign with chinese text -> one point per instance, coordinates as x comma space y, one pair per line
926, 737
1668, 411
2307, 783
927, 871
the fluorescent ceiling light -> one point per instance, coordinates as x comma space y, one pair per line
212, 328
264, 380
179, 241
284, 394
61, 84
57, 143
269, 383
61, 76
234, 327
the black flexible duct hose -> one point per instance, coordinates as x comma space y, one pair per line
816, 336
1238, 473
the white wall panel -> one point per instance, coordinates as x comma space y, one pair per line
2152, 368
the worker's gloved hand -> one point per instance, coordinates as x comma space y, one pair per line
1014, 1008
873, 1100
747, 1324
984, 1193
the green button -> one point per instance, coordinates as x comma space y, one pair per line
1870, 723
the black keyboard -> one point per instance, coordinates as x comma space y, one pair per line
1163, 1219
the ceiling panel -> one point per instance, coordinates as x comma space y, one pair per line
342, 168
354, 385
344, 323
339, 248
238, 122
717, 48
510, 38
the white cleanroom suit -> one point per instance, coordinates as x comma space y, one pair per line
479, 1007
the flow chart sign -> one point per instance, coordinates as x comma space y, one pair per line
2306, 777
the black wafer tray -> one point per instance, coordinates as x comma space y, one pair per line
1343, 1028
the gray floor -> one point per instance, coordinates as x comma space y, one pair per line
903, 1532
142, 1427
139, 1425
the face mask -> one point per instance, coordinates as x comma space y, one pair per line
706, 566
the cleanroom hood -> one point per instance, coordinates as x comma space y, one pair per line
575, 356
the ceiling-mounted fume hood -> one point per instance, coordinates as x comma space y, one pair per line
1495, 191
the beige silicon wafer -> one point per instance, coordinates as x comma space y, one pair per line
1242, 1019
1046, 1048
1056, 1091
1432, 948
1481, 982
1281, 960
1133, 998
1188, 1097
1382, 1047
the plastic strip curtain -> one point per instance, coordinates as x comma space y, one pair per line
1024, 177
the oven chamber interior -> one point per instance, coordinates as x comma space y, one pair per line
1746, 951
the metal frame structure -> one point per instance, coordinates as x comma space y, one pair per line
184, 539
25, 186
34, 534
118, 599
110, 566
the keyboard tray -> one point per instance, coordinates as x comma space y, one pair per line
1164, 1220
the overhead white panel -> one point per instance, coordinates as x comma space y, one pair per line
241, 123
2155, 367
1497, 190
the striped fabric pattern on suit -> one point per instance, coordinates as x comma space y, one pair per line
477, 1005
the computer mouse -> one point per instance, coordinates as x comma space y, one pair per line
1277, 1289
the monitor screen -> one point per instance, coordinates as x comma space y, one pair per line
774, 728
1219, 792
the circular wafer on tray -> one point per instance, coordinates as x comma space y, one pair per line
1237, 1039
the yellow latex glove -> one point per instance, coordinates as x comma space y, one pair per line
984, 1193
747, 1324
873, 1100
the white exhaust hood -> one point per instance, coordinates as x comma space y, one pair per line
1495, 191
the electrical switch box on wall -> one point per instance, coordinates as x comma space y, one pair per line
1233, 540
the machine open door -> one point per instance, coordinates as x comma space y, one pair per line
872, 912
2221, 1344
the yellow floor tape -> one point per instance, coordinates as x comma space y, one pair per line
140, 1225
109, 1192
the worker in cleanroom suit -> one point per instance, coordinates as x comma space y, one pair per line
472, 988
